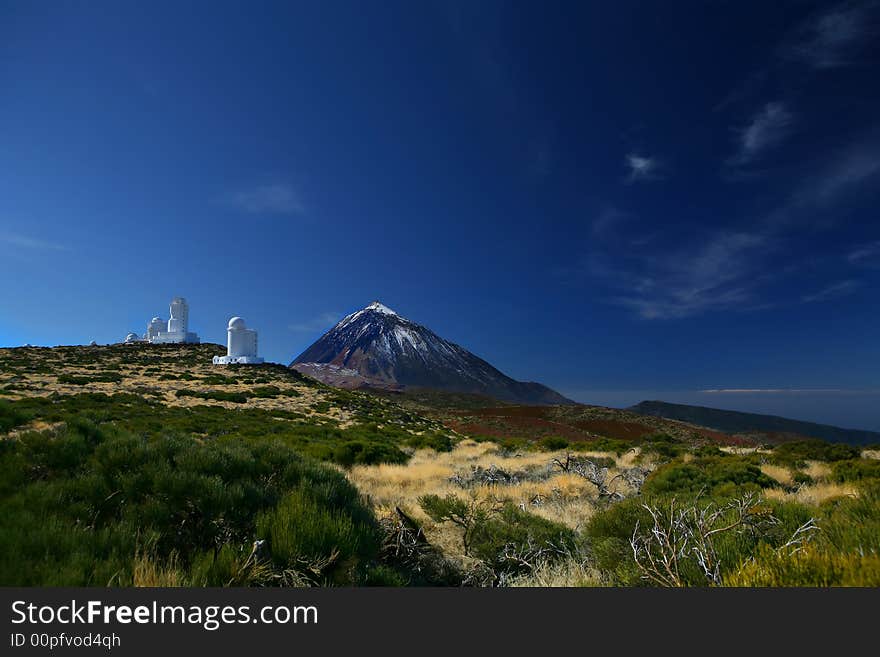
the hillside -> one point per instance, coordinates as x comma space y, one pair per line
145, 465
377, 348
178, 384
769, 427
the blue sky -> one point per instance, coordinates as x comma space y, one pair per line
615, 199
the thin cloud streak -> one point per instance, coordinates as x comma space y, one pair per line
321, 322
866, 255
783, 391
271, 198
833, 291
24, 242
718, 274
832, 39
767, 128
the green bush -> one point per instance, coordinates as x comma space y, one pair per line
266, 392
494, 535
552, 444
809, 566
717, 475
609, 532
663, 445
73, 380
11, 416
439, 442
365, 453
603, 445
852, 524
218, 395
80, 503
520, 532
316, 530
857, 469
797, 452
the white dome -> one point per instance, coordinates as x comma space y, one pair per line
156, 319
236, 323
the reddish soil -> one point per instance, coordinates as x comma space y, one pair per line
517, 427
616, 429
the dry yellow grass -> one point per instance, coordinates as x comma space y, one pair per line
567, 572
817, 470
148, 573
871, 454
561, 497
813, 494
779, 473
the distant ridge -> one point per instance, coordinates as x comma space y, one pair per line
738, 422
377, 348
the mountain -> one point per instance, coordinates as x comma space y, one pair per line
737, 422
376, 347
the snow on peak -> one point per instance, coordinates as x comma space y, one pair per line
376, 306
379, 307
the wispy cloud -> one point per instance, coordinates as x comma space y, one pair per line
834, 37
608, 219
642, 167
852, 168
321, 322
716, 274
25, 242
767, 128
269, 198
866, 255
833, 291
778, 391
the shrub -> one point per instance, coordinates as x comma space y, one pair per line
852, 524
603, 445
609, 532
718, 475
11, 416
266, 392
508, 540
439, 442
218, 395
809, 566
307, 532
796, 452
552, 444
83, 504
663, 445
857, 469
513, 541
73, 380
366, 453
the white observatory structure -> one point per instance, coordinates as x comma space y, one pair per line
156, 326
178, 326
241, 345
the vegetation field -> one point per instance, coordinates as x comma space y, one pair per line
145, 465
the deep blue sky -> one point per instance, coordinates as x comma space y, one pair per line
616, 199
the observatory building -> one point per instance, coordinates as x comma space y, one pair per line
178, 326
241, 345
175, 331
156, 325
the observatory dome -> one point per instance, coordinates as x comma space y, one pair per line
236, 323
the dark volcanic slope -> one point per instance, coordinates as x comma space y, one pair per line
737, 422
376, 346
